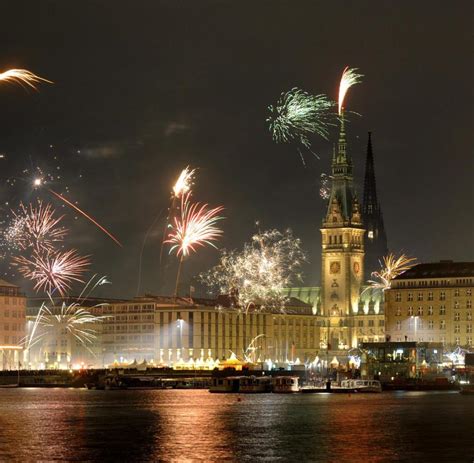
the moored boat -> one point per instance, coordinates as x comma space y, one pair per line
362, 385
254, 384
285, 384
229, 384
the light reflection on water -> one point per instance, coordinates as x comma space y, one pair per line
180, 425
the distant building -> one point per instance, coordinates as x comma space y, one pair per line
432, 303
12, 325
167, 330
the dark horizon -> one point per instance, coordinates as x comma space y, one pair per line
140, 93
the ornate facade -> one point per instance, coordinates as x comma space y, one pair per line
342, 259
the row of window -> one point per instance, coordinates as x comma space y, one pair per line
128, 309
360, 323
12, 300
430, 296
430, 311
7, 313
404, 284
417, 324
442, 339
12, 327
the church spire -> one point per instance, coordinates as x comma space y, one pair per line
370, 204
375, 237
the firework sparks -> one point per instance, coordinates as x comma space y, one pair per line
15, 234
349, 78
88, 217
325, 186
22, 77
258, 274
392, 267
297, 115
72, 318
195, 226
40, 227
184, 182
52, 271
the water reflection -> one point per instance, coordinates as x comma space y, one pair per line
59, 424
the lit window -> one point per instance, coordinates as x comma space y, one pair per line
371, 234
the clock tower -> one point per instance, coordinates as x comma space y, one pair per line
342, 254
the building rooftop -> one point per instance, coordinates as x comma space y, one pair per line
4, 284
442, 269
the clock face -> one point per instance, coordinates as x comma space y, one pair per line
356, 267
335, 267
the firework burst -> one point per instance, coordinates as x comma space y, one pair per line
298, 115
41, 230
22, 77
195, 226
349, 78
391, 268
256, 276
14, 234
73, 318
52, 271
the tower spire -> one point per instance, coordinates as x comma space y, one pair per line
375, 237
370, 188
342, 157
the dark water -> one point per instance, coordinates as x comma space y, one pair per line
179, 425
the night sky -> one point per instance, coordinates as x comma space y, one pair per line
143, 89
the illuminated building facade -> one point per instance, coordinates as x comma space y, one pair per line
432, 303
12, 325
173, 330
342, 253
347, 312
